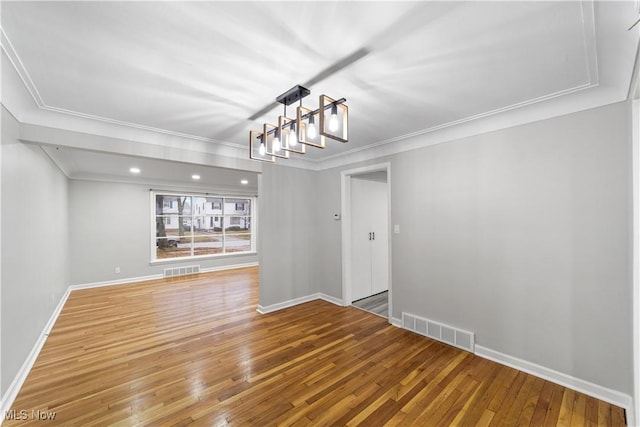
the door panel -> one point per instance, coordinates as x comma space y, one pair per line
369, 237
360, 244
379, 212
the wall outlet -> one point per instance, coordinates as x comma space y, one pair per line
396, 229
117, 270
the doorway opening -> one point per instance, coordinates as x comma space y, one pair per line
366, 239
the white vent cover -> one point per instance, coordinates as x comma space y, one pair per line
181, 271
438, 331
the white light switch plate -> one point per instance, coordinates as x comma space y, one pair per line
396, 229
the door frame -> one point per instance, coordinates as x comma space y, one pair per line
345, 184
635, 167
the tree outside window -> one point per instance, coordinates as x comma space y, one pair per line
190, 225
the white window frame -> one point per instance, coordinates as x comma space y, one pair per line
253, 215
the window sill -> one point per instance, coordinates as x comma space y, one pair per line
199, 257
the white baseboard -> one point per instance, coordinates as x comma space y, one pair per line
588, 388
594, 390
127, 280
329, 298
296, 301
599, 392
21, 376
115, 282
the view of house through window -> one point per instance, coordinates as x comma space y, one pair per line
188, 225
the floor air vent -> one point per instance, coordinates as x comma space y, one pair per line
438, 331
181, 271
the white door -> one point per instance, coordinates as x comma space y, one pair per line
360, 243
369, 238
379, 244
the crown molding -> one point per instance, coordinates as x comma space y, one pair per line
18, 65
540, 108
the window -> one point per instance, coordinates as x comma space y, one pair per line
190, 225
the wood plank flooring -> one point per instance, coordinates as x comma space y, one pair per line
195, 352
376, 304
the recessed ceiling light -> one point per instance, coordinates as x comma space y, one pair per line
134, 170
244, 182
196, 177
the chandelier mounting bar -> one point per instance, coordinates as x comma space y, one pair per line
292, 95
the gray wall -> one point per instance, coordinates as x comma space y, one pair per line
523, 236
520, 235
328, 274
35, 263
288, 225
110, 227
58, 232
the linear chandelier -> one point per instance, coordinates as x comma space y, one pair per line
294, 134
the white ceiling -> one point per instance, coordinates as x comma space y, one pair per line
200, 70
94, 165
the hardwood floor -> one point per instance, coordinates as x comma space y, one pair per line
376, 304
195, 352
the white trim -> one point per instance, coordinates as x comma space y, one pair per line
635, 156
331, 299
345, 214
589, 36
345, 190
255, 221
2, 109
350, 153
21, 376
599, 392
122, 281
17, 64
377, 148
349, 156
297, 301
19, 67
396, 322
143, 127
389, 243
128, 280
201, 258
152, 228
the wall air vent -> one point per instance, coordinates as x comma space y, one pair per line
181, 271
438, 331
